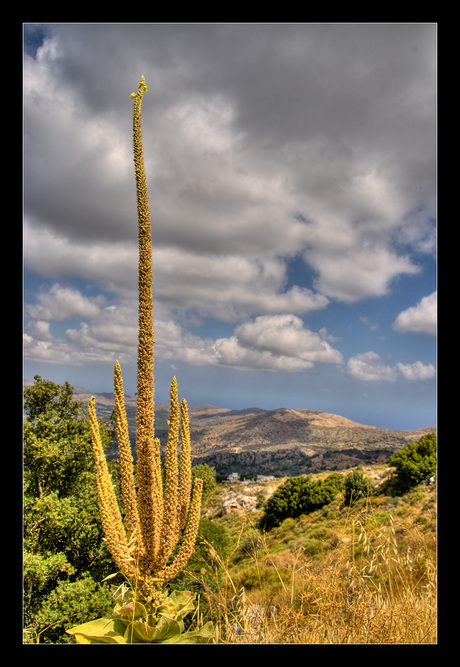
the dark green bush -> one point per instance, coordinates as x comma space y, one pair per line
356, 487
414, 463
299, 495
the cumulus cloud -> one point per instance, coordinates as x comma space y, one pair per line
280, 342
230, 163
63, 303
269, 342
104, 332
286, 336
49, 253
359, 273
370, 367
223, 286
421, 318
417, 371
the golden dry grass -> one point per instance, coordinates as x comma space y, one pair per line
376, 586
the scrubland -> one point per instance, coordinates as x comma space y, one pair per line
340, 575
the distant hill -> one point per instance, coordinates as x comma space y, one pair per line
276, 442
288, 442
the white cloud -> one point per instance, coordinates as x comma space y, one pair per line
64, 303
417, 371
224, 286
239, 182
48, 253
110, 331
105, 332
359, 271
230, 352
39, 330
370, 367
58, 351
286, 336
421, 318
277, 342
218, 185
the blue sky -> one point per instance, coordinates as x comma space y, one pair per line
292, 181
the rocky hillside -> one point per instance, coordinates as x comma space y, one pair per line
275, 442
271, 442
290, 442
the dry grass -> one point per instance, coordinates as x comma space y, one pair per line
377, 586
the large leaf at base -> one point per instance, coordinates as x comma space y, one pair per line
203, 636
165, 629
100, 631
183, 602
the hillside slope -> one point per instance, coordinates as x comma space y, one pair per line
283, 442
277, 442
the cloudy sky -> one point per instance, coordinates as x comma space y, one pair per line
292, 182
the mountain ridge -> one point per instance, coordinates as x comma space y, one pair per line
282, 441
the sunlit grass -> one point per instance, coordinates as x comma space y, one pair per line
374, 583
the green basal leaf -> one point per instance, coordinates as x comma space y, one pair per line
183, 602
140, 622
132, 609
166, 628
203, 636
100, 631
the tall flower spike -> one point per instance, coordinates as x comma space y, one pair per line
110, 513
161, 516
185, 471
125, 458
189, 538
145, 445
170, 528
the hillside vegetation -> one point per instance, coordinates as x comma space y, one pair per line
345, 556
364, 573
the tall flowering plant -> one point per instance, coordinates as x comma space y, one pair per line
156, 537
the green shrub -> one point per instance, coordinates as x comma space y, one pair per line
62, 530
312, 547
70, 603
414, 463
356, 487
297, 496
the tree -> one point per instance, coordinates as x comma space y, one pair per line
299, 495
414, 463
63, 536
57, 439
356, 487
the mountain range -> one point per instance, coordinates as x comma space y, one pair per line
277, 442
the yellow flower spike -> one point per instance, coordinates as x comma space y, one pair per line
185, 468
189, 538
161, 519
146, 473
125, 456
110, 514
170, 530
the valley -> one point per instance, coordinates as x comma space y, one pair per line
270, 442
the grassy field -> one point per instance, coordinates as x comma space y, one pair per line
363, 575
